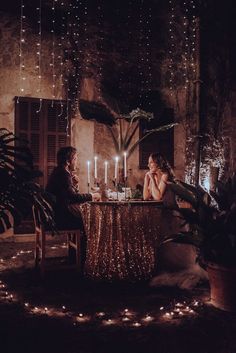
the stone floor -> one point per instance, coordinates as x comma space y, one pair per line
67, 314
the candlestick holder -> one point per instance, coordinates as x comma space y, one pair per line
125, 182
88, 187
116, 188
96, 183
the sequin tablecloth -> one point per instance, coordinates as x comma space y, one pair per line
122, 238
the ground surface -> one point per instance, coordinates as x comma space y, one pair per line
67, 314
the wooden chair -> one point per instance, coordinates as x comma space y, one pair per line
41, 233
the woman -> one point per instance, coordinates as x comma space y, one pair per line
171, 256
156, 180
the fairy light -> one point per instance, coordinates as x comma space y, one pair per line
186, 44
193, 34
53, 51
22, 77
101, 37
145, 18
39, 48
141, 49
75, 24
171, 46
173, 311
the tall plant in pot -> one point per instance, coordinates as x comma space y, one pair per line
213, 233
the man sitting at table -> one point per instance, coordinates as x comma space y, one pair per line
64, 186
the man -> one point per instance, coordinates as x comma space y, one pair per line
63, 185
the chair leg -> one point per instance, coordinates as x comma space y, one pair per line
74, 248
36, 250
43, 254
78, 250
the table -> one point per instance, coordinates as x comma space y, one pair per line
122, 238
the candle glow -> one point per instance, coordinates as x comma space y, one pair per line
106, 169
125, 164
88, 168
95, 167
116, 166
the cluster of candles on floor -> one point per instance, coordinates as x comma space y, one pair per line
106, 165
125, 317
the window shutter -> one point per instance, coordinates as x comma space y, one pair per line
44, 127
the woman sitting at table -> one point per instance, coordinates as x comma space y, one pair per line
64, 186
156, 180
171, 256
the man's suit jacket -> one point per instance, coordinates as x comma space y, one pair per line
60, 185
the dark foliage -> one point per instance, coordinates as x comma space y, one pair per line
18, 191
212, 224
97, 111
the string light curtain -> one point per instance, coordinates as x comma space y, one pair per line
144, 51
22, 44
39, 52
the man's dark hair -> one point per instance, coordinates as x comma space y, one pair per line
65, 155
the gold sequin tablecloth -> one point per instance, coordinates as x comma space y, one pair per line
122, 238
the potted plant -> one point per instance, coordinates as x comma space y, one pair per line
212, 229
122, 127
18, 191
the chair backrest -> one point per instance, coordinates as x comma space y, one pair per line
37, 220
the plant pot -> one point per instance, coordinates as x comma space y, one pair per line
223, 286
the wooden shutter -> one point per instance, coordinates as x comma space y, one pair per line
44, 126
162, 142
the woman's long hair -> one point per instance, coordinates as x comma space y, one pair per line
163, 164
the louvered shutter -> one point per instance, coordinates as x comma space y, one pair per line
45, 128
55, 134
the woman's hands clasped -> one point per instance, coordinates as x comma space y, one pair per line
96, 196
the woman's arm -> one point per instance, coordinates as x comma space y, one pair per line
158, 188
146, 188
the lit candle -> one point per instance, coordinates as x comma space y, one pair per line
116, 166
125, 164
106, 165
88, 165
95, 167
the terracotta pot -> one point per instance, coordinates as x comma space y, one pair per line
223, 286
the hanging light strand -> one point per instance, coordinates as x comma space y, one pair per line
193, 33
147, 57
100, 47
67, 83
39, 52
61, 56
21, 47
53, 52
186, 52
141, 50
171, 46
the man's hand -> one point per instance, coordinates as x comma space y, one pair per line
96, 196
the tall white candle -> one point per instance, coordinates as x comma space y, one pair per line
106, 167
95, 167
125, 164
116, 167
88, 165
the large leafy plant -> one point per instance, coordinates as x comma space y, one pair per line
212, 225
123, 127
18, 191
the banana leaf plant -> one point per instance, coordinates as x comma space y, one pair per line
126, 124
212, 221
18, 191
